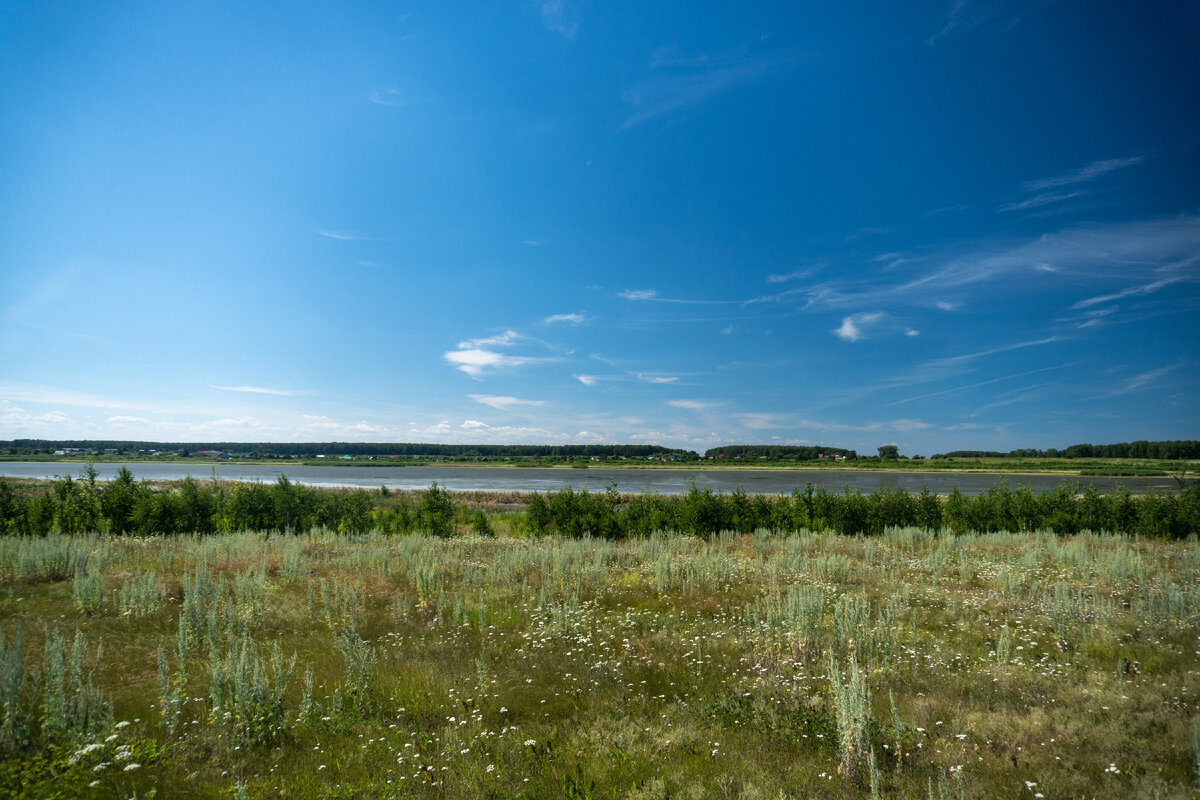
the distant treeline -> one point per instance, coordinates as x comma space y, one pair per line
126, 506
362, 448
777, 452
1167, 451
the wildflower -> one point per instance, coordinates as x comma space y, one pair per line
131, 766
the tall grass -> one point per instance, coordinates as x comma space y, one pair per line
738, 664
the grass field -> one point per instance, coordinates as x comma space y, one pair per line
911, 664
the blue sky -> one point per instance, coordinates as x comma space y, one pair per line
963, 224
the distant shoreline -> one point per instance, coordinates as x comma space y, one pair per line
1086, 467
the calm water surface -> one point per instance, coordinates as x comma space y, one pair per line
595, 479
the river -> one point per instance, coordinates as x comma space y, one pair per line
594, 479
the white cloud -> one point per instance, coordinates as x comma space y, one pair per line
1144, 379
1132, 291
254, 390
235, 422
51, 395
573, 319
946, 305
681, 83
976, 385
1151, 250
853, 327
122, 419
1084, 174
386, 97
503, 402
587, 380
499, 340
657, 378
791, 276
911, 332
651, 294
474, 357
692, 405
554, 15
1043, 199
476, 361
343, 236
762, 421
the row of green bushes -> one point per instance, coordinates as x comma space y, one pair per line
126, 506
1000, 508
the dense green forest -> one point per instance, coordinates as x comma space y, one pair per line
127, 506
269, 449
1162, 451
776, 452
1169, 451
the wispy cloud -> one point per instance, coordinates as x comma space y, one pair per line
555, 17
509, 337
1068, 185
343, 236
854, 327
572, 319
52, 395
642, 376
952, 21
587, 380
794, 275
386, 97
1043, 199
1146, 378
1143, 380
964, 16
693, 405
1132, 291
653, 296
1004, 348
764, 421
255, 390
1084, 174
503, 402
683, 82
978, 384
1152, 248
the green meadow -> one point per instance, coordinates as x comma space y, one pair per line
914, 663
